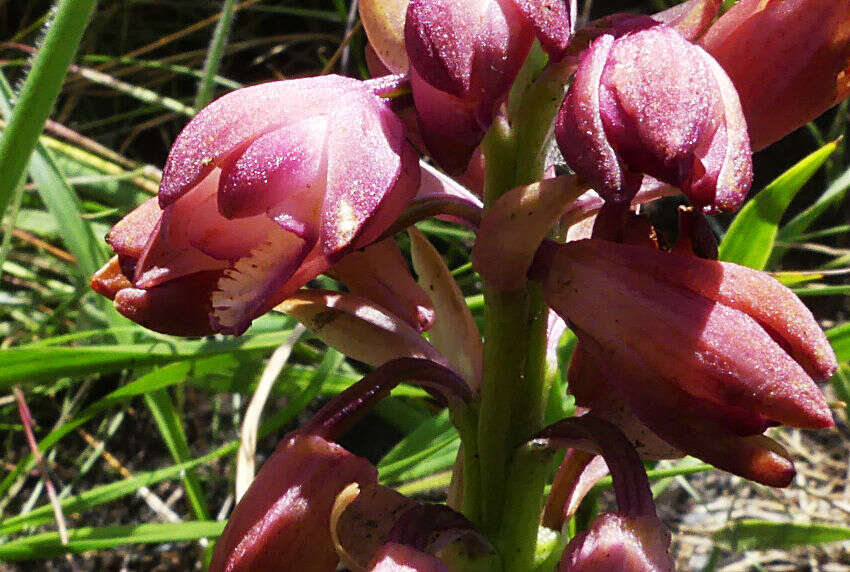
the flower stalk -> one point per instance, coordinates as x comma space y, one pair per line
514, 388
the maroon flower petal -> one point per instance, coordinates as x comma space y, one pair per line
284, 517
180, 307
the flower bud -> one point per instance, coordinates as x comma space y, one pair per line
650, 102
463, 58
619, 542
789, 61
263, 190
746, 356
284, 516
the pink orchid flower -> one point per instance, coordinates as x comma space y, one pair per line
464, 56
265, 189
746, 353
651, 103
293, 516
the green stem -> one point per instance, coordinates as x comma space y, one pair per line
39, 93
518, 535
514, 388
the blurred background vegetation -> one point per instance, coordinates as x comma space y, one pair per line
139, 429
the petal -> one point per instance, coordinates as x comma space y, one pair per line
581, 134
384, 24
439, 37
357, 327
129, 237
231, 122
683, 422
735, 172
691, 18
516, 224
448, 126
109, 279
369, 165
662, 101
755, 293
617, 542
380, 273
362, 519
283, 519
246, 288
588, 382
180, 307
789, 61
454, 334
576, 476
394, 557
553, 21
169, 253
217, 236
284, 170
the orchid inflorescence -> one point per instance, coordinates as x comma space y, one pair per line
678, 354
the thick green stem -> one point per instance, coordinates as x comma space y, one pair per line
513, 392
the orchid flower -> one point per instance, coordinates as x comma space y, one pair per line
746, 357
263, 190
650, 102
284, 520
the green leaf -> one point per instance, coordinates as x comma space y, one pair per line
48, 545
751, 236
171, 428
764, 535
659, 474
792, 230
823, 290
29, 364
427, 441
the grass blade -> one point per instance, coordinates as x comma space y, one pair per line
47, 545
214, 54
61, 201
800, 223
40, 90
171, 428
751, 236
764, 535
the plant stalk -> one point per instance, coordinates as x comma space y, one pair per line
514, 388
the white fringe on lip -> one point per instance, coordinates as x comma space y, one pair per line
242, 288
